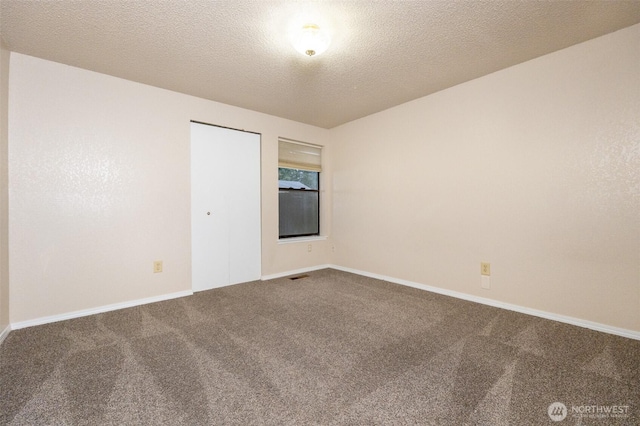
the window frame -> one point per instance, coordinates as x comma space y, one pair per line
317, 191
306, 157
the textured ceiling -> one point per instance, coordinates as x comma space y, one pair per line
237, 52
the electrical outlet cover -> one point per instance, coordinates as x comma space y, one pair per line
485, 268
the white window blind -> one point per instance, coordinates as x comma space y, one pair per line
299, 155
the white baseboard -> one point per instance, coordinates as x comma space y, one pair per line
631, 334
98, 310
294, 272
490, 302
5, 333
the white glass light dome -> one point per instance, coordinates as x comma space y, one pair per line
311, 40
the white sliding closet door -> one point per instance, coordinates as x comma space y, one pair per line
225, 206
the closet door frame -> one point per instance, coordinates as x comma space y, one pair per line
225, 206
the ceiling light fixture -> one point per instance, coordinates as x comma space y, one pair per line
311, 40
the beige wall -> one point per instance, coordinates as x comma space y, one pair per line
4, 215
99, 188
535, 169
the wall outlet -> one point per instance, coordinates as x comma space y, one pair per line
157, 266
485, 269
309, 248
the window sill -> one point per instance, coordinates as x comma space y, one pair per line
301, 239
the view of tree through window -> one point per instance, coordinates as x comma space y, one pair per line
309, 179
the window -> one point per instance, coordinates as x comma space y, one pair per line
298, 189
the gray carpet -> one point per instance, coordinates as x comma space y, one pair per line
333, 348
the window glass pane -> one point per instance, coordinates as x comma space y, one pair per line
298, 213
297, 179
299, 200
